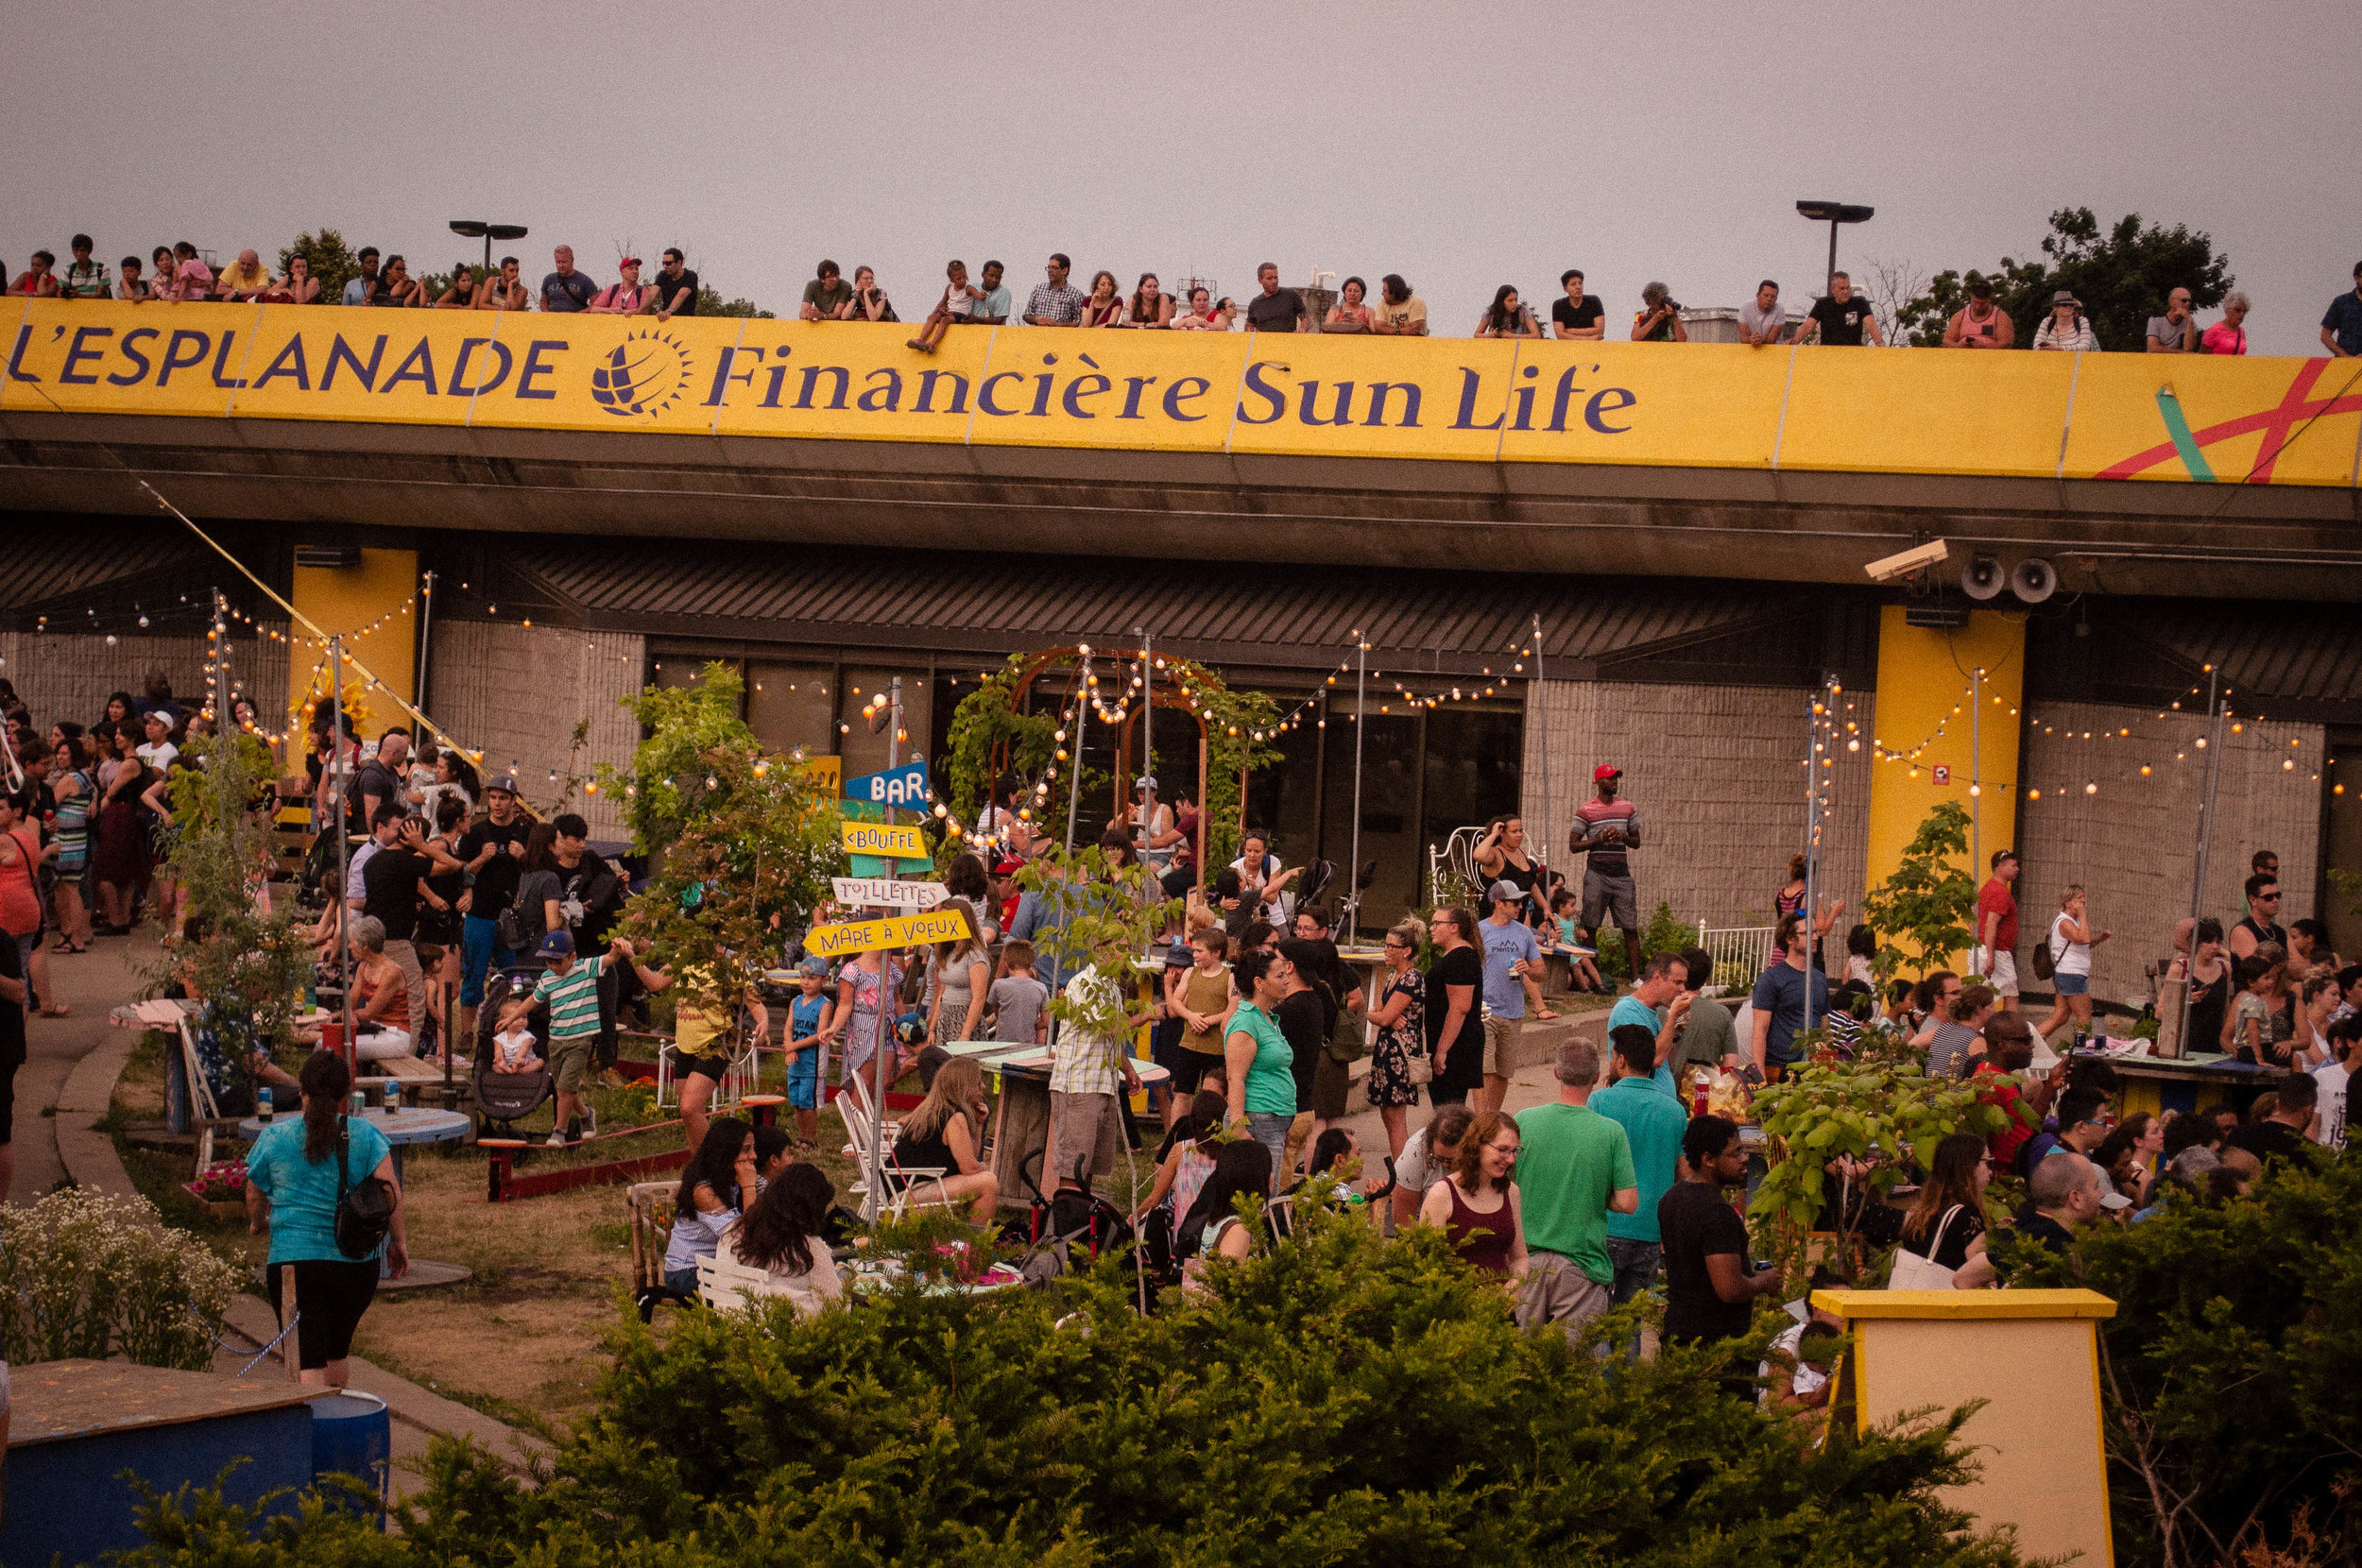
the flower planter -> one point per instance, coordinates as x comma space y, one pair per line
220, 1211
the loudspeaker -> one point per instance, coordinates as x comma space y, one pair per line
1982, 578
2034, 580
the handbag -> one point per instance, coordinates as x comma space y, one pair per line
1914, 1272
365, 1209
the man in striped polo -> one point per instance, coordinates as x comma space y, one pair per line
570, 987
1606, 827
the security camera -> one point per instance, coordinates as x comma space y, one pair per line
1919, 557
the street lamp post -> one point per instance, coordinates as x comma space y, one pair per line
1833, 213
477, 229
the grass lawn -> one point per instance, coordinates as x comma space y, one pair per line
521, 1339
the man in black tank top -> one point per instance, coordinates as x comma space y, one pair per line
2262, 923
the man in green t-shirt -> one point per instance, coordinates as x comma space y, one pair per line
1575, 1168
1707, 1037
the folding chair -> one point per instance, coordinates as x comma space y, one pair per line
205, 1118
899, 1196
651, 1208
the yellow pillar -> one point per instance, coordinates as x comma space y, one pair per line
2043, 1463
1923, 729
374, 605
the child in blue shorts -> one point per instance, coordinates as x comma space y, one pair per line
804, 1018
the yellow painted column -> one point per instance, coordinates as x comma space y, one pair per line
1926, 678
374, 605
2042, 1461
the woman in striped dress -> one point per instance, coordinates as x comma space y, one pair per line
74, 789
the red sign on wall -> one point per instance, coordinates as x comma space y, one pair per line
1943, 773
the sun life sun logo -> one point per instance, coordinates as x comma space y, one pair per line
645, 375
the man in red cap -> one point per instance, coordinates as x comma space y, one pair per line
1605, 827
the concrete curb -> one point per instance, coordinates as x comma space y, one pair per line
89, 1155
87, 1151
251, 1320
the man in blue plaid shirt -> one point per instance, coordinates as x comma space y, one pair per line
1055, 303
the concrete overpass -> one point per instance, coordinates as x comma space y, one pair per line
2204, 476
818, 505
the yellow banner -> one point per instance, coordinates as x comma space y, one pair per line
876, 838
902, 931
2292, 422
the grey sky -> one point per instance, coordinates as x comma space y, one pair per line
1463, 147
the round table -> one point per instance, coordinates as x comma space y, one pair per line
412, 1124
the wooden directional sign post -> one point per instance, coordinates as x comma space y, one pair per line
905, 785
899, 930
854, 892
886, 840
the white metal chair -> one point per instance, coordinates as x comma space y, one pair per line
1451, 866
738, 1080
899, 1194
1739, 953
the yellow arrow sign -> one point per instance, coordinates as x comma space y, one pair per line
865, 936
876, 838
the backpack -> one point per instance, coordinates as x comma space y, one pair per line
1347, 1041
508, 927
2046, 960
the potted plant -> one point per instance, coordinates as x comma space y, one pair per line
220, 1191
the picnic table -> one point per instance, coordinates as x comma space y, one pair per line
1019, 1076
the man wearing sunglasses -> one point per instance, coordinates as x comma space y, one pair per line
2262, 923
2083, 1124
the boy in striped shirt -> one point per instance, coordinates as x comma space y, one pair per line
570, 988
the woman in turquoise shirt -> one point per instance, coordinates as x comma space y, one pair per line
291, 1175
1261, 1064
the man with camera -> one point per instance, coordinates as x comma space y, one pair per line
1661, 321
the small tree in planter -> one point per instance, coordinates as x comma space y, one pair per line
1929, 901
1874, 1121
743, 843
249, 966
1096, 909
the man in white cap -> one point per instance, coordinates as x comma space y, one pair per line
1513, 968
158, 751
1151, 825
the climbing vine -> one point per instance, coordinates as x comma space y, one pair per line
1239, 729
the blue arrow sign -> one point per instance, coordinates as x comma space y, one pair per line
905, 786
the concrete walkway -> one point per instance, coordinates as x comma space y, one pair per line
71, 1065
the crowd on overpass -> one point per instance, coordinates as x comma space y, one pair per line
1844, 317
1605, 1188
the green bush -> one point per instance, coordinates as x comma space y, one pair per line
2229, 1369
1343, 1400
1664, 936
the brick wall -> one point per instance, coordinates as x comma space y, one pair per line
517, 693
2133, 844
70, 675
1717, 773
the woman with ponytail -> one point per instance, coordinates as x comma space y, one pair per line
292, 1181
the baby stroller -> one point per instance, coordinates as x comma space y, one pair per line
503, 1098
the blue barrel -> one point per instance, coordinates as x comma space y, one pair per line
352, 1434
